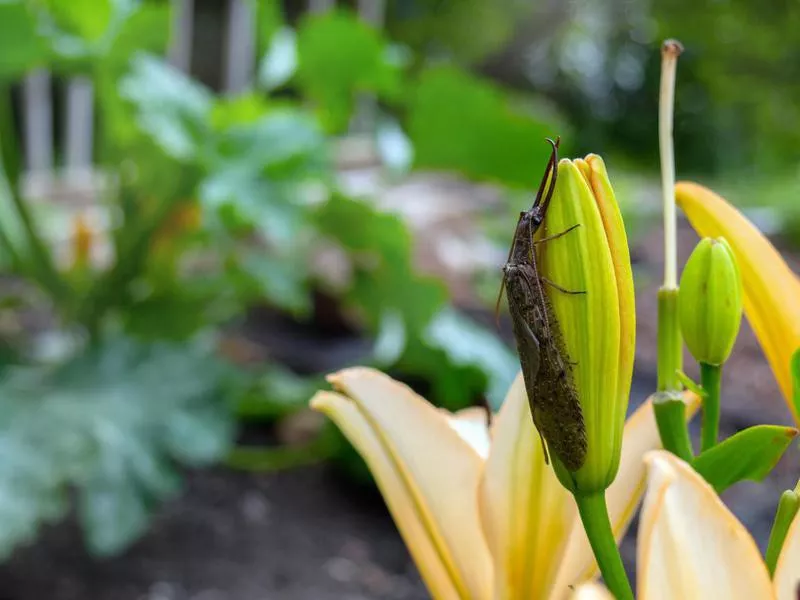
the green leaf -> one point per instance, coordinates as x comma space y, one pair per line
171, 108
747, 455
22, 47
282, 280
340, 55
468, 344
88, 19
466, 124
113, 423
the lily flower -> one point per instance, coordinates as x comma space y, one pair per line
691, 546
771, 288
482, 515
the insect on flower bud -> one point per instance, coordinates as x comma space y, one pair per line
710, 301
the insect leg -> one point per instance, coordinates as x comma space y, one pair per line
555, 236
561, 289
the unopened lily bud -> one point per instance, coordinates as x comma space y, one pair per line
598, 324
710, 301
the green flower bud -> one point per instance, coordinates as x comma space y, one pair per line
710, 301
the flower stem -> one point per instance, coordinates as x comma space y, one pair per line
670, 343
594, 515
670, 412
787, 509
670, 50
710, 379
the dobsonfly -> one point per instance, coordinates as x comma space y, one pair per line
546, 368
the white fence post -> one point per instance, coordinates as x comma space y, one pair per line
240, 44
80, 130
180, 50
365, 118
38, 122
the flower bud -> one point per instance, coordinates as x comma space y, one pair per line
598, 325
710, 301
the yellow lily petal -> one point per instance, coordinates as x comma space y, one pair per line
787, 572
690, 545
527, 514
435, 472
591, 591
771, 289
623, 496
358, 430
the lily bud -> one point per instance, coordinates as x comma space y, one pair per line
598, 325
710, 301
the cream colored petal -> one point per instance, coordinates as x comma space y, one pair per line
402, 505
472, 424
787, 572
527, 515
437, 467
690, 545
591, 591
623, 497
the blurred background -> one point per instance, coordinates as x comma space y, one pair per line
206, 205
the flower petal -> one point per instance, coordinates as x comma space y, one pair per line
358, 430
787, 571
591, 591
771, 289
623, 497
527, 515
472, 424
690, 545
435, 468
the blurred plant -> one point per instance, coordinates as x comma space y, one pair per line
219, 203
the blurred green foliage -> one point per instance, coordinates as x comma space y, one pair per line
220, 203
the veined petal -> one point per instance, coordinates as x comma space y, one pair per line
690, 545
418, 539
787, 572
438, 471
591, 591
771, 289
527, 514
623, 496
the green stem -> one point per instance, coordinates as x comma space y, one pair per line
710, 379
594, 515
670, 412
787, 509
670, 344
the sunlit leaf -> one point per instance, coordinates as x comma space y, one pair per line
747, 455
339, 55
21, 46
462, 123
280, 61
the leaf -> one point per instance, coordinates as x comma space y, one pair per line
171, 108
22, 47
339, 55
468, 344
466, 124
747, 455
113, 423
88, 19
280, 61
280, 280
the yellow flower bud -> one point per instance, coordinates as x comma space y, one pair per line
598, 326
710, 301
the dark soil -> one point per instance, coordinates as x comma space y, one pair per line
310, 534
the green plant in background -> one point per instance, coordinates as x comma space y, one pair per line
219, 203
